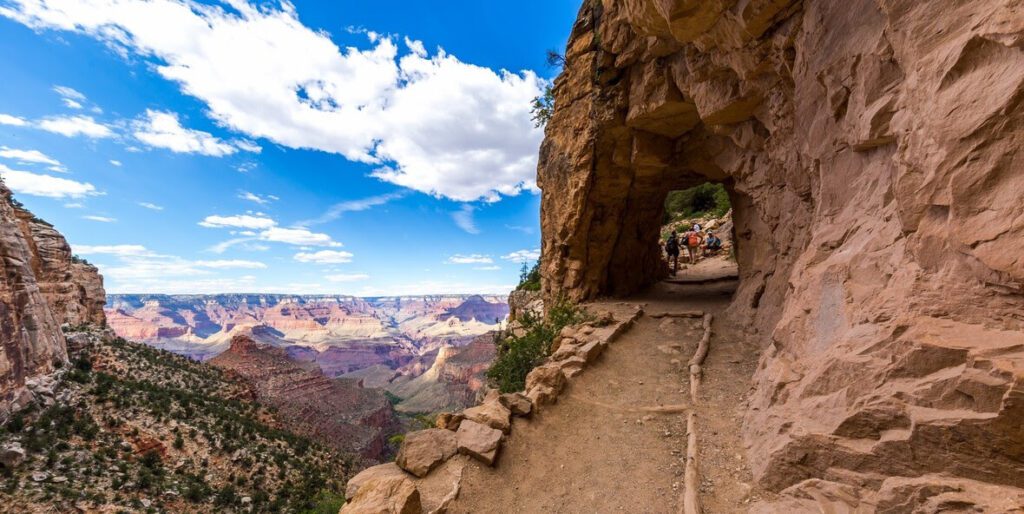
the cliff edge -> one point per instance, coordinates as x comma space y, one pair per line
42, 288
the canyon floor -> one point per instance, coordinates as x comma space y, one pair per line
616, 441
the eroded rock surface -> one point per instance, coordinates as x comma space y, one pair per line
41, 289
871, 149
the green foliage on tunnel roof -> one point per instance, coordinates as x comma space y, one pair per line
706, 200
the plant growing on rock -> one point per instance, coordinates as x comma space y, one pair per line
526, 347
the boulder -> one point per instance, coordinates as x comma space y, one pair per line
389, 469
544, 383
449, 420
478, 441
572, 366
424, 450
385, 495
11, 456
491, 413
517, 403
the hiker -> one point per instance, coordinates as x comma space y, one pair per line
672, 249
693, 239
713, 244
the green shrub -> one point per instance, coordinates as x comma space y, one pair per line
326, 502
518, 355
703, 200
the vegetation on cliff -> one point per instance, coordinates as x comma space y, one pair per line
139, 429
524, 347
707, 199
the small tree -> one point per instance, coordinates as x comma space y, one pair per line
543, 108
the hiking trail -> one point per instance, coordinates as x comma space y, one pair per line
616, 440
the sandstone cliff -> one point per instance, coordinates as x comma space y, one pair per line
871, 149
41, 289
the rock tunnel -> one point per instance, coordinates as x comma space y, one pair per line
871, 150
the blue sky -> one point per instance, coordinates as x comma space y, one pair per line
353, 147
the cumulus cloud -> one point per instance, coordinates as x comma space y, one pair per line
7, 119
161, 129
28, 183
118, 250
72, 126
325, 257
522, 255
470, 259
101, 219
115, 163
431, 123
297, 236
151, 206
238, 221
30, 157
487, 268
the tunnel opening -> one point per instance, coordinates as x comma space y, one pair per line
697, 238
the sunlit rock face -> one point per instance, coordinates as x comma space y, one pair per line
872, 153
41, 288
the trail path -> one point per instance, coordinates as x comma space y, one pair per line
616, 439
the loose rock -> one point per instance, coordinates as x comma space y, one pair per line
478, 441
424, 450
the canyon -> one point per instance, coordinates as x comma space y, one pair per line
430, 351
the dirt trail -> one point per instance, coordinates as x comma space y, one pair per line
616, 439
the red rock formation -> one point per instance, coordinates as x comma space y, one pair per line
40, 289
336, 412
871, 149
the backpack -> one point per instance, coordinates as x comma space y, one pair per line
692, 239
672, 245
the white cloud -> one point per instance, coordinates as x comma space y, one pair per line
118, 250
238, 221
260, 199
487, 268
428, 122
28, 156
354, 277
521, 228
362, 204
324, 257
71, 103
470, 259
115, 163
231, 264
69, 93
7, 119
464, 219
74, 205
432, 287
160, 129
34, 184
101, 219
151, 206
522, 255
71, 126
297, 236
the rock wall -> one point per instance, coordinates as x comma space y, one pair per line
40, 289
872, 152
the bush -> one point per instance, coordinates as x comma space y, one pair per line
705, 199
518, 355
326, 502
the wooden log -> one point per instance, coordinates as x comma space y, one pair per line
705, 343
691, 477
678, 314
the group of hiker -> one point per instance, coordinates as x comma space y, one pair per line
697, 243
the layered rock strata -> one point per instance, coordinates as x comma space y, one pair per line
41, 288
871, 149
335, 412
